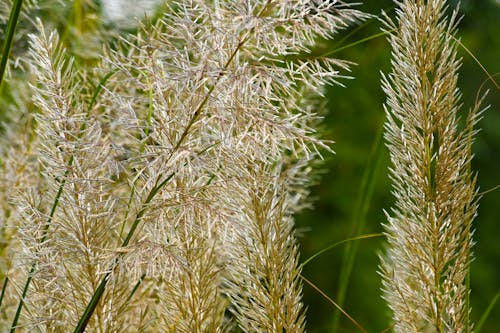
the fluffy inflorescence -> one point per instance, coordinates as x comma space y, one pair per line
171, 168
429, 229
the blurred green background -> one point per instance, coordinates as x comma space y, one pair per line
354, 185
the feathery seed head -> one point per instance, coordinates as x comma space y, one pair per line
429, 230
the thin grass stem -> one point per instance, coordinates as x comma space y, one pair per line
334, 304
358, 28
136, 287
494, 188
363, 40
317, 254
487, 312
490, 77
4, 287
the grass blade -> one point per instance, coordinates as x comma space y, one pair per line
21, 300
11, 28
487, 312
135, 288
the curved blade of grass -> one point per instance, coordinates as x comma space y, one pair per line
494, 188
487, 312
317, 254
388, 329
11, 28
131, 294
360, 27
363, 40
359, 219
490, 77
99, 88
54, 206
335, 50
353, 32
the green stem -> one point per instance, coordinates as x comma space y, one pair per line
11, 28
487, 312
89, 310
4, 286
135, 288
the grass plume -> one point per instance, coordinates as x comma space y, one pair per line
192, 152
430, 227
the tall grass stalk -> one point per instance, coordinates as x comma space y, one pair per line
429, 230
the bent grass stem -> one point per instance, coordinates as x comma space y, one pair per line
334, 304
